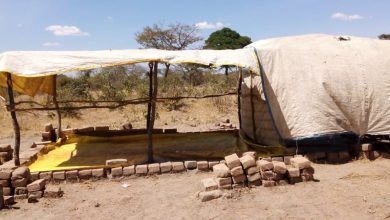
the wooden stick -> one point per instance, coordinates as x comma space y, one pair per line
239, 96
14, 119
150, 94
253, 110
154, 84
56, 106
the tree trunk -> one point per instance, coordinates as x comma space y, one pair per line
167, 65
14, 119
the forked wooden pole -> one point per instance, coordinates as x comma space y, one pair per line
14, 119
253, 109
56, 106
153, 86
239, 96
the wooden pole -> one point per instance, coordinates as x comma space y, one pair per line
253, 110
239, 96
152, 110
150, 94
56, 106
14, 119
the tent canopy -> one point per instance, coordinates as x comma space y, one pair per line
32, 71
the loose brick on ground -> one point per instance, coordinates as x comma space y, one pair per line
117, 162
154, 168
21, 190
58, 175
268, 183
19, 182
178, 167
37, 194
21, 172
210, 195
300, 162
190, 164
247, 161
224, 181
9, 200
209, 184
212, 163
37, 185
53, 192
221, 170
129, 170
232, 161
166, 167
203, 165
141, 169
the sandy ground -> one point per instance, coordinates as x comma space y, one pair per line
356, 190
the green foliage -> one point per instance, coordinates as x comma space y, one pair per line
226, 38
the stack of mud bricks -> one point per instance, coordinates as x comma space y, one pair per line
368, 152
20, 184
5, 153
49, 134
238, 172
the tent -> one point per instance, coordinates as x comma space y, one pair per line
309, 90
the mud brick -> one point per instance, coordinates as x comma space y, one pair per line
269, 159
85, 129
170, 130
222, 161
37, 185
166, 167
190, 164
294, 180
59, 176
253, 177
212, 163
267, 175
37, 194
264, 165
221, 170
46, 136
141, 169
45, 175
344, 156
203, 165
320, 155
129, 170
116, 172
374, 154
237, 171
49, 127
21, 196
232, 161
19, 182
102, 128
154, 168
178, 167
85, 174
366, 147
250, 153
247, 161
21, 172
209, 184
5, 148
21, 190
98, 173
227, 187
9, 200
32, 199
254, 183
7, 191
224, 181
34, 176
287, 159
300, 162
333, 157
71, 175
279, 159
4, 183
268, 183
53, 192
251, 170
282, 182
5, 174
278, 176
279, 167
293, 173
209, 195
116, 162
239, 185
239, 179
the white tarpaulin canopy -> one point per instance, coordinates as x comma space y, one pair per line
320, 84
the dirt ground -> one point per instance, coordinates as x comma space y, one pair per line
356, 190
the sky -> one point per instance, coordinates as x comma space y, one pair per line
112, 24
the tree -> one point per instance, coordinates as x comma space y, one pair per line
176, 36
226, 38
384, 36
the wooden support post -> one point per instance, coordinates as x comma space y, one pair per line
150, 94
153, 83
253, 110
239, 96
56, 105
14, 119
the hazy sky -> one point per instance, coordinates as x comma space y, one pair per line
111, 24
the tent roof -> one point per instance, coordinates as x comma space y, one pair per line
33, 70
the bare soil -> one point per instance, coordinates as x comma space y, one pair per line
356, 190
